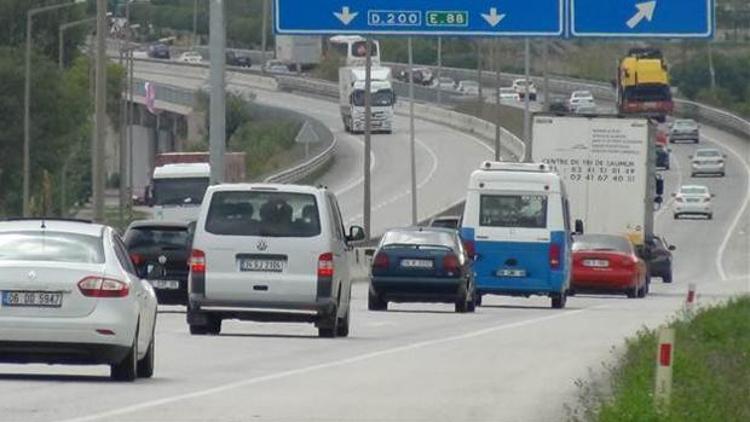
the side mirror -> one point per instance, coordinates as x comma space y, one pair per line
659, 200
356, 234
672, 248
579, 226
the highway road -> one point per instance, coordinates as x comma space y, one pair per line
514, 360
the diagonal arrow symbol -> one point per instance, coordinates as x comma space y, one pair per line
645, 11
346, 16
493, 18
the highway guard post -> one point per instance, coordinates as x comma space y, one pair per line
664, 362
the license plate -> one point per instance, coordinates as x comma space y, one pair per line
507, 272
596, 263
262, 265
416, 263
32, 299
165, 284
693, 200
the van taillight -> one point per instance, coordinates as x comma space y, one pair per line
470, 247
197, 261
451, 264
554, 256
325, 265
381, 261
96, 286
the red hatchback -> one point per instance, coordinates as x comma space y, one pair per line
608, 264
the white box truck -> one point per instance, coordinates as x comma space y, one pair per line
608, 166
302, 52
352, 99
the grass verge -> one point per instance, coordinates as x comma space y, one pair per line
511, 118
711, 373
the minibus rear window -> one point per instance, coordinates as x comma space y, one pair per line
522, 211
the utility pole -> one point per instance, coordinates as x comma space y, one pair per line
217, 129
61, 38
545, 64
195, 22
412, 139
498, 129
439, 69
101, 112
264, 28
711, 67
526, 100
480, 98
368, 140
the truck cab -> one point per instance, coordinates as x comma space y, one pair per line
177, 190
352, 99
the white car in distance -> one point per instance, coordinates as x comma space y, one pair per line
69, 294
468, 88
190, 57
519, 85
708, 161
578, 98
445, 83
693, 200
509, 95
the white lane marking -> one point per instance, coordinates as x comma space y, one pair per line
332, 364
740, 214
427, 179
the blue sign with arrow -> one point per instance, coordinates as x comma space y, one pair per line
642, 18
533, 18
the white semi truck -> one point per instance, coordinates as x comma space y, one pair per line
301, 52
608, 166
352, 99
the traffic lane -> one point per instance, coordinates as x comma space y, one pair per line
697, 232
513, 360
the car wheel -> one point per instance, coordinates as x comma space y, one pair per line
559, 300
632, 292
641, 293
146, 365
214, 326
343, 326
375, 303
677, 216
329, 325
722, 174
461, 306
667, 278
710, 216
471, 305
127, 369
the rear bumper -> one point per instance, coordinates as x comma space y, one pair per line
506, 286
259, 311
602, 281
676, 137
61, 353
692, 209
707, 169
447, 290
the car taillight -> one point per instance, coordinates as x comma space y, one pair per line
197, 261
554, 255
325, 265
95, 286
471, 248
137, 259
450, 264
381, 261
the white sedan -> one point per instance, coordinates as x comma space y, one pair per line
69, 294
190, 57
693, 200
509, 95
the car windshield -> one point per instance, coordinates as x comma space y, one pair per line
183, 191
707, 153
448, 223
415, 238
596, 242
263, 213
685, 124
525, 211
165, 237
582, 94
694, 190
51, 246
645, 93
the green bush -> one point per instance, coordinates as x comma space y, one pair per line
265, 143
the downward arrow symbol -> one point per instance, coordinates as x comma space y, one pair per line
346, 16
493, 18
645, 11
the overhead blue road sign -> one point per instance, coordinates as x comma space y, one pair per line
533, 18
642, 18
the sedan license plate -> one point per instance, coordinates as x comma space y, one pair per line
165, 284
416, 263
508, 272
32, 299
262, 265
596, 263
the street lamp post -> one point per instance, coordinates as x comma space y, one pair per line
27, 101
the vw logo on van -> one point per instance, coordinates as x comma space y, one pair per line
262, 245
32, 275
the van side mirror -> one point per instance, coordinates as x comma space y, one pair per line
672, 248
579, 226
356, 234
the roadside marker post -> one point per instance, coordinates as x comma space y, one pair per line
664, 363
690, 299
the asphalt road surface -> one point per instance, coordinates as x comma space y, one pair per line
514, 360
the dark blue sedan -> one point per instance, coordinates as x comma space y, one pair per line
422, 265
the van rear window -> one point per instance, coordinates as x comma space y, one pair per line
523, 211
263, 213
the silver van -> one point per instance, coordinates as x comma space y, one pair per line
271, 253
